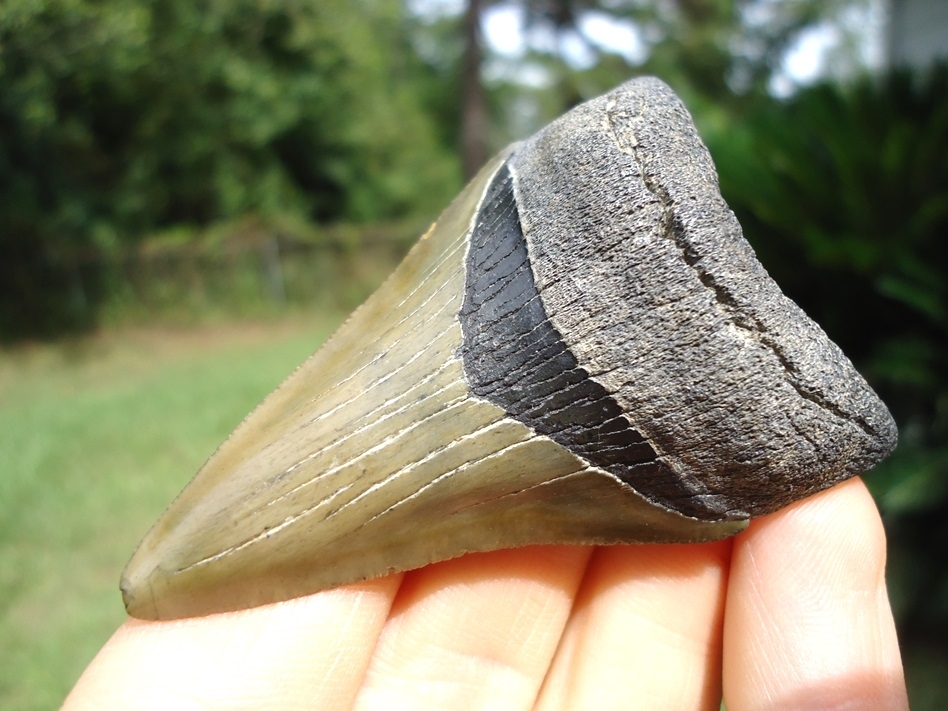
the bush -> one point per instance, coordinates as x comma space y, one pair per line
121, 119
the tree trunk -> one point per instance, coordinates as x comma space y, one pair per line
474, 122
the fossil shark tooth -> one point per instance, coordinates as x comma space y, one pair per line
582, 349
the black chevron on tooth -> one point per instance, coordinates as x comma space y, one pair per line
515, 358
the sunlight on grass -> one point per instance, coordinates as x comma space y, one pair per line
97, 439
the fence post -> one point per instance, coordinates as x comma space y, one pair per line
273, 270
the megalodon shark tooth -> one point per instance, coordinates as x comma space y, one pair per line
582, 349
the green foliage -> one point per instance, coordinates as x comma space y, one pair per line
844, 194
118, 118
727, 52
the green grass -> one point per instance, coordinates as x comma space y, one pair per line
95, 439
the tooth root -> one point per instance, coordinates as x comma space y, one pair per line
582, 350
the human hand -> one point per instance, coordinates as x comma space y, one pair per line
791, 614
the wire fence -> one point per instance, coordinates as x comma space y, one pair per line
242, 272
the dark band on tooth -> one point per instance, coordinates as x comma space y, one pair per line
515, 358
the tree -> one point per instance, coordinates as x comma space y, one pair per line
721, 53
119, 118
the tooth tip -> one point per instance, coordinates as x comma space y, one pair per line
143, 583
136, 603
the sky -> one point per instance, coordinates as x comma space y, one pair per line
807, 60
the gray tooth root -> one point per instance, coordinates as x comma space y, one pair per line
583, 349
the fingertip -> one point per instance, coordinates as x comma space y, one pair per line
837, 533
808, 623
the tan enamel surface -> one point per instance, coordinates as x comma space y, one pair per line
373, 457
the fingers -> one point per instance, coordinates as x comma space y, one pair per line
305, 653
808, 623
645, 632
477, 632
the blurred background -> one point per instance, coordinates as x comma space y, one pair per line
193, 194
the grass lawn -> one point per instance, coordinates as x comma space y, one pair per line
97, 437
